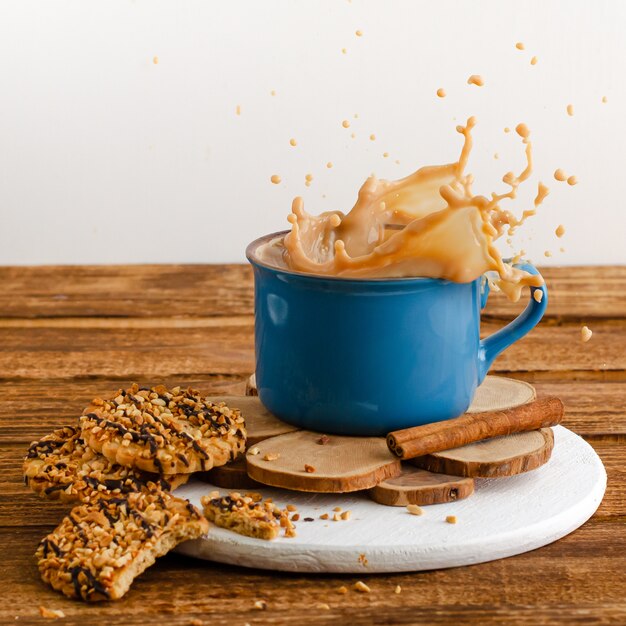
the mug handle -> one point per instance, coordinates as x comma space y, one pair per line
492, 346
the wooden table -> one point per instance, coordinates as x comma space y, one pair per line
69, 334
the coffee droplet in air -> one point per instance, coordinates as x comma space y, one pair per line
496, 156
155, 60
547, 253
441, 92
533, 61
329, 164
273, 92
523, 131
570, 109
372, 137
385, 155
507, 129
538, 295
344, 51
238, 109
359, 33
345, 124
604, 99
560, 231
519, 45
560, 175
293, 142
572, 180
307, 179
476, 79
275, 178
585, 334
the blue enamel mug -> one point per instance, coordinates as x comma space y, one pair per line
369, 356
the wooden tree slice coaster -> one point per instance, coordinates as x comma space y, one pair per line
233, 476
260, 423
335, 464
498, 393
251, 389
417, 486
493, 458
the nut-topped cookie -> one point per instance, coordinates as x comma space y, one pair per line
60, 466
247, 515
97, 551
164, 431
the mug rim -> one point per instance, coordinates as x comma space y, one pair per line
253, 245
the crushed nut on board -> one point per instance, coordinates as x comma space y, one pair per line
451, 519
363, 560
324, 516
345, 515
398, 589
342, 590
271, 456
585, 333
323, 606
291, 508
337, 509
261, 605
323, 440
414, 509
254, 451
336, 517
290, 532
361, 587
295, 517
309, 469
50, 613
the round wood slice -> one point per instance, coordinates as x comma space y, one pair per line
231, 476
260, 423
342, 464
417, 486
251, 389
498, 393
492, 458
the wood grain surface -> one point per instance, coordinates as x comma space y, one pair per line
68, 334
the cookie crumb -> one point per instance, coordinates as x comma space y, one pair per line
398, 589
309, 469
50, 613
451, 519
342, 590
585, 334
271, 456
261, 605
413, 509
361, 587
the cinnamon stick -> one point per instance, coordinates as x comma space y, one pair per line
412, 442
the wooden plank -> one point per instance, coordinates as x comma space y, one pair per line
129, 353
581, 293
19, 507
179, 589
126, 290
30, 408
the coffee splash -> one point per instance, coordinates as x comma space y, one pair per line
428, 224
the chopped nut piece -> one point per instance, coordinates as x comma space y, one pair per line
451, 519
260, 604
323, 440
254, 451
290, 532
585, 334
398, 589
361, 586
337, 509
342, 590
413, 509
345, 515
324, 516
271, 456
295, 517
309, 469
50, 613
363, 560
336, 517
291, 508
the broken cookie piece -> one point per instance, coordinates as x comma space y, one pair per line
244, 515
164, 431
100, 547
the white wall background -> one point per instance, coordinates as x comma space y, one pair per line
106, 157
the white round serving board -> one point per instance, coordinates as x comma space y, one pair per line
504, 517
